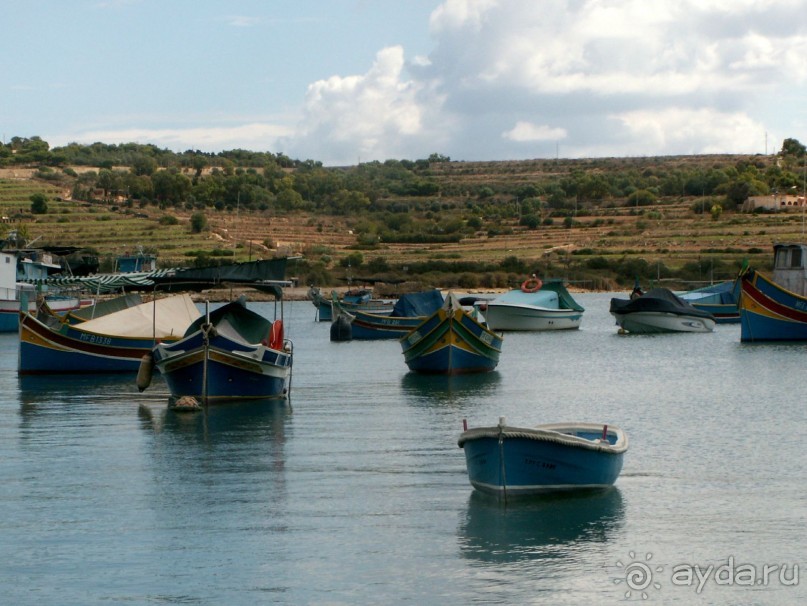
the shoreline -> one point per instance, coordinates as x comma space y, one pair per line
300, 293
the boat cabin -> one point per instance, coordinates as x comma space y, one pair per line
140, 262
789, 269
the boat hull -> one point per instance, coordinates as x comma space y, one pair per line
511, 461
245, 374
360, 301
550, 308
723, 313
72, 350
649, 322
450, 341
769, 312
57, 346
10, 314
371, 327
503, 316
720, 300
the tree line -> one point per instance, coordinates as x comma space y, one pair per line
248, 180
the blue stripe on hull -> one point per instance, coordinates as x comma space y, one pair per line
532, 466
9, 321
755, 327
35, 359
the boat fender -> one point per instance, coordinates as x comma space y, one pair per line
276, 335
531, 285
145, 372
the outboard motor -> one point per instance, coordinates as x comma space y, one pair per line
341, 328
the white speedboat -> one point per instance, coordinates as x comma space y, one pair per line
549, 307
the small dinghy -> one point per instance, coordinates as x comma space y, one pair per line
504, 460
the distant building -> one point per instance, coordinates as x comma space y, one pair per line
773, 202
140, 262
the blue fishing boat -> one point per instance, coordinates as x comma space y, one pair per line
775, 309
355, 299
114, 342
721, 300
451, 341
231, 353
509, 461
407, 313
537, 305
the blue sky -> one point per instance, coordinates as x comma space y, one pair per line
343, 81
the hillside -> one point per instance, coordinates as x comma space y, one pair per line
661, 237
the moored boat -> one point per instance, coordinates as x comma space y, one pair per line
659, 310
407, 313
721, 300
231, 353
775, 308
505, 460
115, 342
355, 299
536, 305
451, 341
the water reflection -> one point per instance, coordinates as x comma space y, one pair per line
537, 527
240, 419
40, 392
449, 388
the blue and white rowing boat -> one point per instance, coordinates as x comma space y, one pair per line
505, 460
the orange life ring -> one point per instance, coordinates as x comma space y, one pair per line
531, 285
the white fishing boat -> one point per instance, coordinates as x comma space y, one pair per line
535, 306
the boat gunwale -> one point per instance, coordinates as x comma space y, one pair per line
552, 433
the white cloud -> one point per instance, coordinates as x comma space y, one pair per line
606, 78
692, 131
376, 115
527, 131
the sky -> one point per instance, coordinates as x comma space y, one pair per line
349, 81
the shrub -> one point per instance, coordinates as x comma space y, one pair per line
198, 222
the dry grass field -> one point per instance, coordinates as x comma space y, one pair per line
668, 232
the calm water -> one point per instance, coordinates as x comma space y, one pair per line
356, 491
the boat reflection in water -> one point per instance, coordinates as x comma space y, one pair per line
448, 388
544, 527
81, 392
235, 421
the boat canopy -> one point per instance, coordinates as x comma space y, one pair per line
160, 318
657, 300
725, 293
415, 304
235, 321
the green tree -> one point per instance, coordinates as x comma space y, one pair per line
792, 147
641, 197
39, 203
143, 165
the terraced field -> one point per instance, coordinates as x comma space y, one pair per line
668, 232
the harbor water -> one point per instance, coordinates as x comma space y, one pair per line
355, 492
